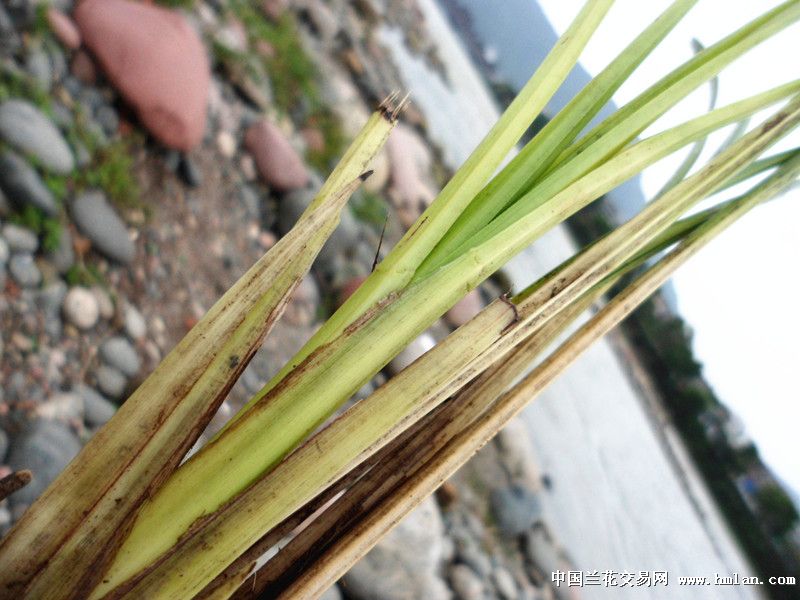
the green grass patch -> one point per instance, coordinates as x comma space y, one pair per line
112, 171
47, 228
85, 275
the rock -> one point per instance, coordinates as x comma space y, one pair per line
20, 239
5, 206
62, 406
156, 61
99, 222
322, 20
111, 381
22, 184
403, 565
46, 448
104, 302
542, 550
135, 325
505, 584
190, 172
419, 346
515, 508
303, 304
274, 9
277, 161
348, 288
80, 308
83, 68
410, 163
64, 29
466, 308
108, 119
24, 270
343, 239
5, 252
226, 144
3, 445
380, 173
467, 585
52, 297
26, 128
37, 63
97, 410
63, 256
332, 593
119, 353
518, 455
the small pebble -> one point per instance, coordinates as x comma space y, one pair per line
81, 308
135, 325
20, 239
119, 353
111, 381
24, 270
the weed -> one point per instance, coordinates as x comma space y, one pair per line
47, 228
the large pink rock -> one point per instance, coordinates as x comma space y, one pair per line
156, 61
278, 163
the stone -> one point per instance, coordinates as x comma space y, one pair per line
134, 323
515, 509
322, 20
119, 353
99, 222
410, 161
226, 144
505, 584
111, 381
156, 61
304, 303
104, 302
63, 406
83, 68
404, 564
81, 308
64, 29
466, 308
517, 454
380, 173
348, 288
542, 550
108, 119
279, 165
332, 593
22, 185
97, 410
343, 239
45, 448
190, 172
5, 251
29, 130
313, 138
274, 9
3, 445
418, 346
24, 270
466, 583
20, 239
37, 63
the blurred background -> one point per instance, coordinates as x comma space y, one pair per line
151, 152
